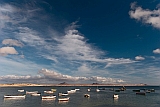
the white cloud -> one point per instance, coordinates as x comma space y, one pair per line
12, 42
145, 15
118, 61
139, 58
8, 50
47, 76
60, 77
157, 51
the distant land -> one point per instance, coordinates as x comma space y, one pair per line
66, 84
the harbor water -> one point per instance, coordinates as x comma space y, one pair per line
103, 98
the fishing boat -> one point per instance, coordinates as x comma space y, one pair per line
97, 90
36, 94
115, 96
71, 91
14, 96
77, 89
63, 94
63, 99
49, 97
88, 89
54, 90
86, 95
20, 90
48, 92
31, 92
140, 93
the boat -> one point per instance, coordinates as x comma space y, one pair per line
71, 91
88, 89
140, 93
86, 95
49, 97
64, 99
31, 92
54, 90
14, 96
152, 90
20, 90
97, 90
63, 94
48, 92
36, 94
77, 89
122, 89
115, 96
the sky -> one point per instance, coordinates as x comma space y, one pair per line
80, 41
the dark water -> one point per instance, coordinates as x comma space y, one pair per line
103, 98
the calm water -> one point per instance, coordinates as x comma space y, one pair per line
103, 98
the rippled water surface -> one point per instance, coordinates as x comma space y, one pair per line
104, 98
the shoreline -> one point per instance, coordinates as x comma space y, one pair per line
31, 84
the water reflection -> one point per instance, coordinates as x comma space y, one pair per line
63, 102
115, 100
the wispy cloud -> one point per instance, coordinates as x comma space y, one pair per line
147, 16
69, 51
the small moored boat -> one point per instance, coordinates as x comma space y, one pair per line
86, 95
63, 99
115, 96
63, 94
36, 94
20, 90
49, 92
54, 90
88, 89
31, 92
14, 96
97, 90
49, 97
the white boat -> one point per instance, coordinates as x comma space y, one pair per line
49, 92
49, 97
63, 99
14, 96
77, 89
115, 96
63, 94
86, 95
54, 90
20, 90
71, 91
97, 90
31, 92
36, 94
88, 89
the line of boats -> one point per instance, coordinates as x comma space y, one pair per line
48, 95
64, 96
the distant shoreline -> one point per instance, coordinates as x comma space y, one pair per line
30, 84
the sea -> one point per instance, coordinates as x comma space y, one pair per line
103, 98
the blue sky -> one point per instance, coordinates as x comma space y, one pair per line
86, 41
